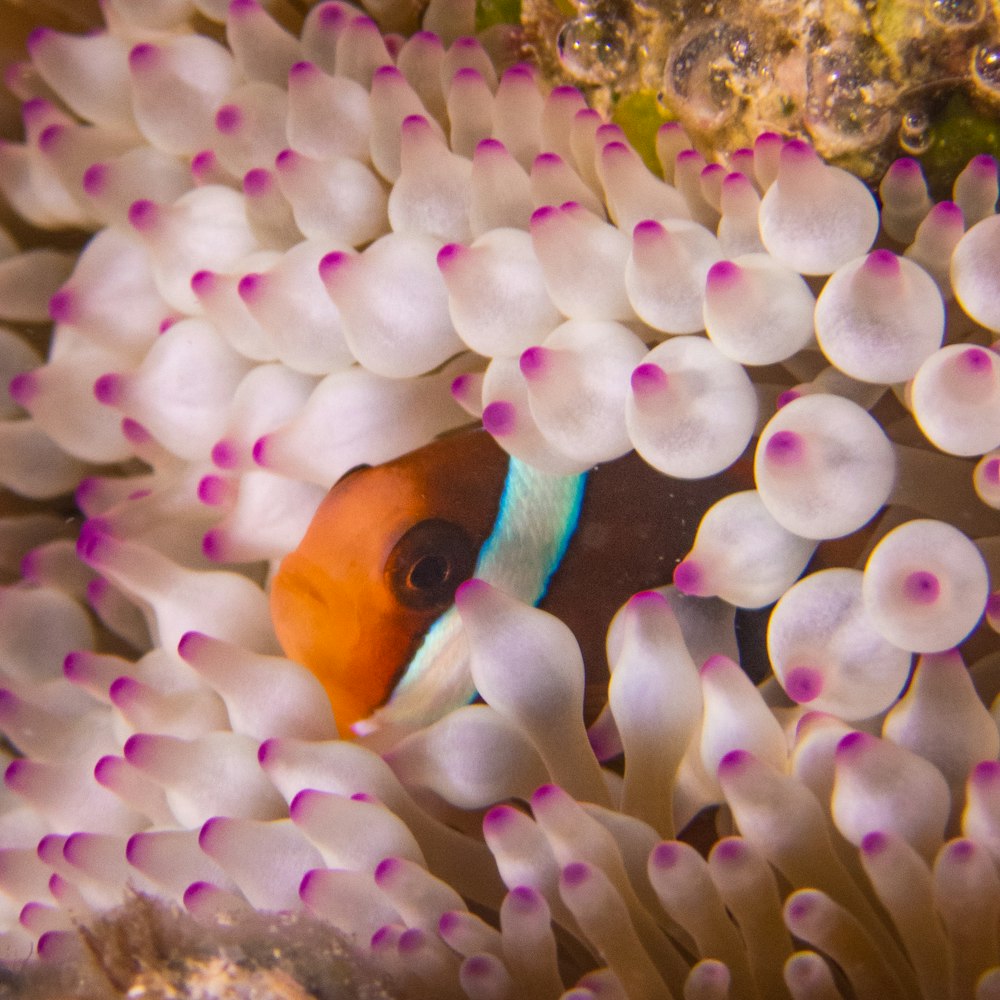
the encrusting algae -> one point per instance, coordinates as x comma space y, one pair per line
345, 239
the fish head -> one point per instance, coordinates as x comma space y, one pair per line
380, 562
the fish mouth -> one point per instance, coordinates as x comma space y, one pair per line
346, 631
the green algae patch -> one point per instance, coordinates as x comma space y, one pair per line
492, 12
639, 115
958, 133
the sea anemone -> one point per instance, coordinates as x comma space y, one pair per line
322, 249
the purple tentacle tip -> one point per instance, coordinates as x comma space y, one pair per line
202, 163
187, 647
331, 263
225, 454
50, 137
203, 282
545, 793
666, 855
486, 146
500, 418
525, 898
784, 448
648, 378
109, 389
986, 773
448, 253
142, 56
921, 587
250, 286
735, 760
37, 37
94, 535
723, 273
575, 874
543, 214
648, 599
94, 179
228, 118
142, 214
874, 843
497, 819
469, 590
688, 577
256, 182
533, 361
647, 230
385, 869
135, 432
213, 545
804, 684
61, 306
853, 743
23, 388
976, 361
730, 850
881, 264
266, 751
260, 451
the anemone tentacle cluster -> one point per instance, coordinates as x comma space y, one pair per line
318, 250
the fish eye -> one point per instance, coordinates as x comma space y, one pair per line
428, 563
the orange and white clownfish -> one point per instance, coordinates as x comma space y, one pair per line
366, 600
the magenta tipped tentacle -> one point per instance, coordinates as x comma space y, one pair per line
404, 335
975, 189
500, 193
821, 241
956, 399
339, 199
511, 768
640, 692
577, 383
689, 166
575, 284
879, 318
432, 193
669, 296
481, 278
756, 311
470, 110
673, 413
836, 647
905, 199
742, 554
925, 586
261, 48
808, 466
739, 204
632, 193
882, 786
555, 730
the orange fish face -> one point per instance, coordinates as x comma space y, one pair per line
380, 563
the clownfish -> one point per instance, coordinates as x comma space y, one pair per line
366, 601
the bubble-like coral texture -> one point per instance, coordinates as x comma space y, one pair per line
323, 242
